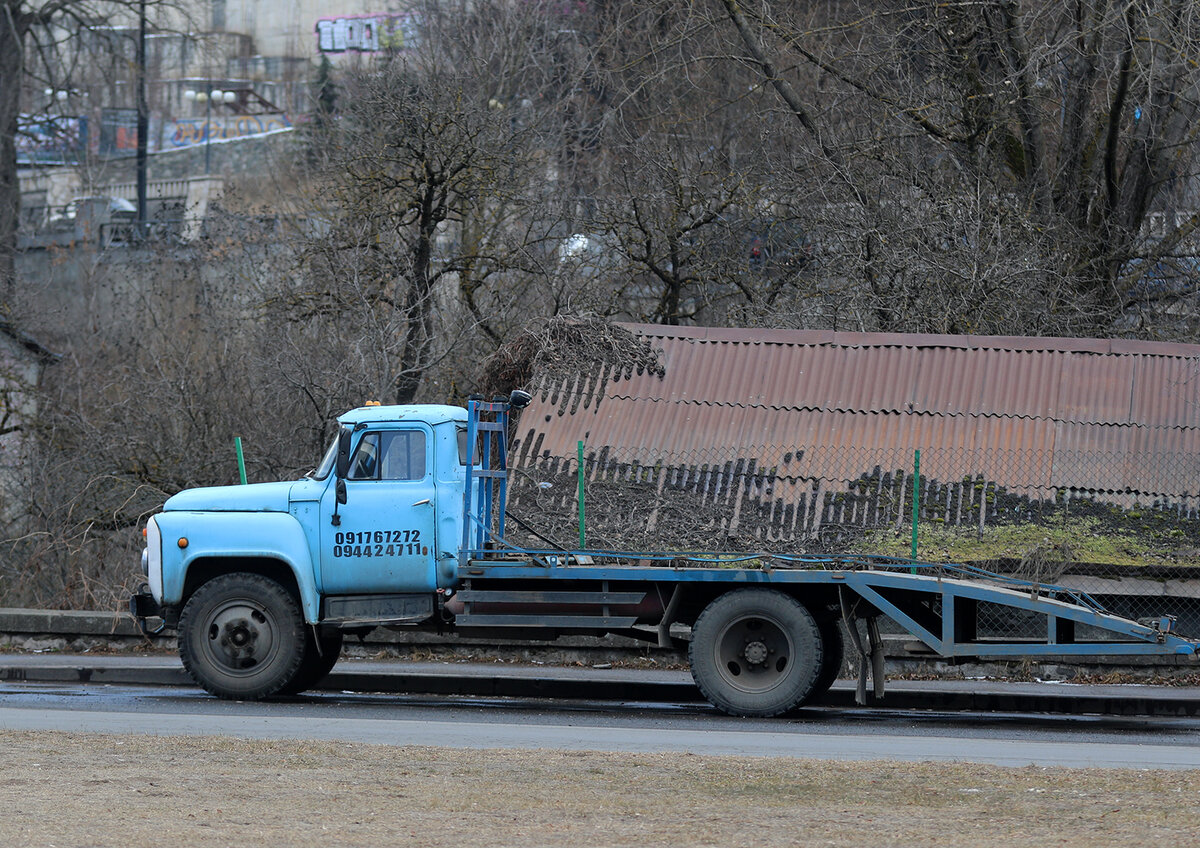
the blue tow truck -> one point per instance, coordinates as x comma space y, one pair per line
402, 526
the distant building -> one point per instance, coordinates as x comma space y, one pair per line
219, 72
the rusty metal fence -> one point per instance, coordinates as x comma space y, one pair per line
1066, 517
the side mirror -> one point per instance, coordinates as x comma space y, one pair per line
342, 467
340, 490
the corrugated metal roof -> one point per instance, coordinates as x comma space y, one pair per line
1033, 414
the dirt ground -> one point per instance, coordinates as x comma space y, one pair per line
74, 790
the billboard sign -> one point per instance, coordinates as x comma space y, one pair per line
118, 132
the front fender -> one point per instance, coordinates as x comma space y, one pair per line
225, 535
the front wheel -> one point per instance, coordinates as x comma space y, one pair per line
320, 656
241, 636
756, 652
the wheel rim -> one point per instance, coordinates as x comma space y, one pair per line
241, 637
754, 654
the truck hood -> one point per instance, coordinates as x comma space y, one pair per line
257, 497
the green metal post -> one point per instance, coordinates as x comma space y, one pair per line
582, 540
237, 444
916, 497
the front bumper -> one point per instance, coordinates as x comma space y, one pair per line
142, 606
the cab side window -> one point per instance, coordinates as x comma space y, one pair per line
389, 455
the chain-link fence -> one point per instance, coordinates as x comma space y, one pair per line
1121, 527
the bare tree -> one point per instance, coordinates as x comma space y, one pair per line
433, 210
675, 220
1058, 127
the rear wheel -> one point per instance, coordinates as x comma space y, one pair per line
320, 655
833, 655
242, 636
756, 652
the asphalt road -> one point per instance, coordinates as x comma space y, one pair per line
1011, 739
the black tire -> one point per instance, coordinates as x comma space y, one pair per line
755, 652
321, 653
833, 656
241, 636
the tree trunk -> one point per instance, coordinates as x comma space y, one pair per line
418, 306
12, 31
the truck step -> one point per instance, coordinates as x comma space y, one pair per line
356, 623
377, 610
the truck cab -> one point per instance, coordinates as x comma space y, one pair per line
369, 538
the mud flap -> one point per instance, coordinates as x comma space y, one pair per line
870, 655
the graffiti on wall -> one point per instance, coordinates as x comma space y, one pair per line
186, 132
366, 33
50, 140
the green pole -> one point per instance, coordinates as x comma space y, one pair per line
237, 445
915, 499
579, 463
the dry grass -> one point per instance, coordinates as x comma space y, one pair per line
71, 790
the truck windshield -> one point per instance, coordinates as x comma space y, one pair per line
322, 470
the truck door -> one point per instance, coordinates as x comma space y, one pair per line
383, 541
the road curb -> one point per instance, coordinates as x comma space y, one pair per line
85, 672
949, 697
627, 685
